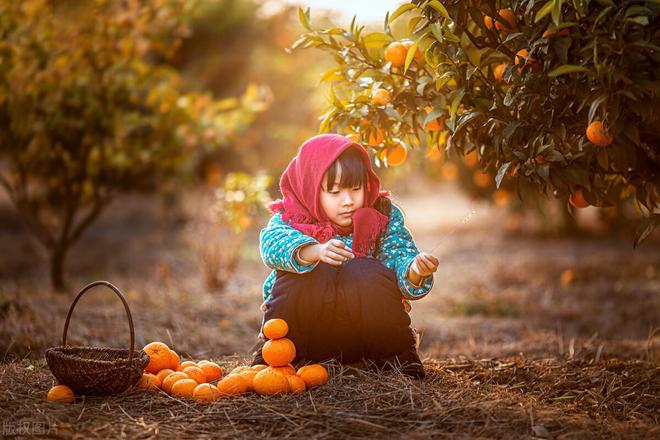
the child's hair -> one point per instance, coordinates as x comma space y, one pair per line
354, 173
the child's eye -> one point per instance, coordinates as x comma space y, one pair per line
358, 188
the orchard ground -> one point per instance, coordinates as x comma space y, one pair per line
523, 335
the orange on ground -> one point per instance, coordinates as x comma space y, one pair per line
195, 373
159, 357
258, 367
184, 388
248, 375
240, 369
172, 379
149, 381
206, 393
381, 97
233, 385
436, 124
212, 370
498, 71
522, 60
313, 375
396, 155
270, 383
296, 384
278, 352
275, 328
185, 364
285, 370
61, 394
175, 360
162, 374
567, 277
396, 54
599, 135
577, 198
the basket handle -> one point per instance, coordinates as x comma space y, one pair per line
121, 297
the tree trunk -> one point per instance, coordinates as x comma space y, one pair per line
57, 259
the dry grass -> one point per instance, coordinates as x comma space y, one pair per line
460, 398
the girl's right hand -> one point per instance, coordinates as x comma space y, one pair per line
335, 252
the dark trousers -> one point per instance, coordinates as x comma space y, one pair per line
346, 312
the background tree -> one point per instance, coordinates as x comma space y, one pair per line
90, 107
563, 95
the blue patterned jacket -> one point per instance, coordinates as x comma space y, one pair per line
396, 250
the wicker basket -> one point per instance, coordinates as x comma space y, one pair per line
97, 370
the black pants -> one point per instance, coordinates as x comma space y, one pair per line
344, 312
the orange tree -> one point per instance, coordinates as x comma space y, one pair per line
89, 107
562, 95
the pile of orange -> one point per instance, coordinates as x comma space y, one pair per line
205, 381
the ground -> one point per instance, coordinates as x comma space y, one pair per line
523, 335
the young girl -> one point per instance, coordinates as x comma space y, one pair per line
344, 265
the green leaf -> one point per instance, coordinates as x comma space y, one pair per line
304, 18
455, 103
556, 11
545, 10
435, 4
500, 174
376, 40
410, 56
568, 68
645, 228
400, 10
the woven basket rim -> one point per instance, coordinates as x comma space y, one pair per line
64, 354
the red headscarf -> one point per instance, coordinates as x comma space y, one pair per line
300, 185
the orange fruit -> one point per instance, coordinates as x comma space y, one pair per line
577, 198
471, 159
184, 388
419, 55
296, 384
258, 367
396, 54
159, 357
436, 124
381, 97
172, 379
248, 375
599, 135
539, 159
205, 393
313, 375
61, 394
482, 180
498, 71
508, 16
501, 197
149, 381
195, 373
175, 360
275, 328
278, 352
162, 374
377, 139
240, 369
270, 383
233, 385
285, 370
396, 155
185, 364
212, 370
449, 171
522, 60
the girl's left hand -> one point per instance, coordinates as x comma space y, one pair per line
424, 264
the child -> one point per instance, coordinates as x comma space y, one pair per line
344, 265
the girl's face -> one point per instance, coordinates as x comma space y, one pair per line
340, 203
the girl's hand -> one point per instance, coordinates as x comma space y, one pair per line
334, 252
424, 264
